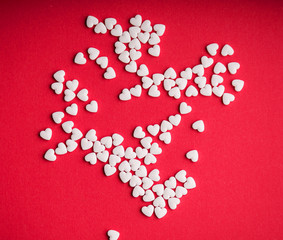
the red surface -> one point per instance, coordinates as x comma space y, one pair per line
239, 173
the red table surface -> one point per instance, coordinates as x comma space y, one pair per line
239, 172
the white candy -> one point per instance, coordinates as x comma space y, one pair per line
100, 28
135, 164
168, 193
92, 107
182, 83
92, 53
212, 48
98, 147
135, 181
61, 149
153, 129
184, 108
173, 202
206, 90
91, 135
146, 82
148, 196
170, 73
149, 159
206, 62
110, 22
57, 87
175, 92
200, 81
136, 91
153, 91
124, 166
147, 183
69, 95
119, 151
109, 73
187, 73
135, 55
181, 191
109, 170
113, 160
181, 176
72, 110
166, 126
158, 189
154, 176
125, 95
155, 149
102, 62
218, 91
168, 84
71, 145
124, 57
175, 120
113, 234
190, 183
125, 37
59, 76
106, 141
154, 51
125, 176
76, 134
146, 142
117, 139
129, 153
134, 31
85, 144
157, 78
192, 155
82, 95
238, 84
227, 98
138, 132
119, 47
141, 152
171, 183
198, 69
159, 202
91, 21
198, 125
165, 137
131, 67
146, 26
219, 68
138, 191
79, 58
143, 70
72, 85
233, 67
50, 155
117, 31
103, 156
160, 212
143, 37
46, 134
159, 29
68, 126
136, 21
154, 39
191, 91
147, 210
91, 158
227, 50
216, 79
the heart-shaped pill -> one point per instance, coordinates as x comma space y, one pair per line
190, 183
146, 26
98, 147
192, 155
173, 203
91, 158
198, 125
154, 51
131, 67
125, 95
165, 126
187, 73
158, 189
57, 87
50, 155
182, 83
134, 31
191, 91
168, 193
175, 92
125, 37
71, 145
103, 156
72, 110
92, 53
91, 135
117, 31
143, 70
59, 76
147, 210
129, 153
109, 73
153, 129
216, 79
79, 58
69, 95
100, 28
109, 170
148, 196
113, 234
157, 78
113, 160
91, 21
154, 176
206, 90
238, 84
198, 69
110, 22
124, 57
154, 39
227, 98
138, 191
159, 29
136, 91
83, 95
181, 191
168, 84
72, 84
119, 47
135, 55
155, 149
218, 91
102, 62
119, 151
165, 137
159, 202
149, 159
67, 126
181, 176
227, 50
200, 81
125, 176
170, 73
147, 183
135, 181
146, 142
46, 134
171, 183
212, 48
117, 139
184, 108
57, 117
92, 107
124, 166
106, 141
136, 21
153, 91
138, 132
160, 212
86, 144
206, 62
135, 164
141, 152
143, 37
219, 68
233, 67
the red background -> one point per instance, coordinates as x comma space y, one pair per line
239, 173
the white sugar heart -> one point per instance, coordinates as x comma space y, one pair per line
181, 191
158, 189
149, 159
79, 58
69, 95
182, 83
200, 81
67, 126
147, 210
125, 95
187, 73
147, 183
129, 153
135, 55
165, 137
135, 181
46, 134
181, 176
119, 151
92, 53
141, 152
71, 145
135, 164
76, 134
191, 91
117, 31
103, 156
106, 141
136, 91
238, 84
125, 37
192, 155
216, 79
102, 62
146, 142
212, 48
173, 203
206, 62
218, 91
50, 155
110, 22
146, 26
166, 126
91, 21
134, 31
117, 139
159, 29
190, 183
109, 170
113, 234
148, 196
138, 132
59, 76
168, 84
136, 21
125, 176
170, 73
146, 82
86, 144
100, 28
72, 110
109, 73
219, 68
168, 193
184, 108
198, 125
131, 67
206, 90
91, 158
138, 191
159, 202
227, 98
175, 92
57, 87
57, 117
119, 47
154, 176
141, 171
72, 84
61, 149
143, 70
154, 51
124, 166
83, 95
160, 212
155, 149
233, 67
153, 91
171, 183
113, 160
198, 69
153, 129
124, 57
98, 147
92, 107
227, 50
157, 78
143, 37
91, 135
154, 39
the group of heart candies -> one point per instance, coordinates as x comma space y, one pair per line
109, 149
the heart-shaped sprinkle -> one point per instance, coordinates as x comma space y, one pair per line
124, 57
131, 67
170, 73
100, 28
141, 152
57, 117
160, 212
113, 234
173, 203
233, 67
219, 68
147, 183
98, 147
92, 53
119, 47
85, 144
72, 84
171, 183
109, 170
106, 141
50, 155
135, 55
143, 37
157, 78
153, 91
143, 70
148, 196
129, 153
61, 149
67, 126
206, 62
181, 191
149, 159
175, 120
159, 202
154, 39
59, 76
168, 84
72, 110
79, 58
57, 87
125, 95
125, 37
138, 132
175, 92
155, 149
110, 22
238, 84
212, 48
146, 82
76, 134
191, 91
136, 21
190, 183
92, 107
154, 51
154, 176
146, 26
117, 31
218, 91
83, 95
91, 158
181, 176
187, 73
136, 91
168, 193
227, 50
200, 81
165, 137
227, 98
117, 139
158, 189
103, 156
166, 126
153, 129
46, 134
124, 166
184, 108
71, 145
102, 62
135, 164
134, 31
147, 210
119, 151
206, 90
192, 155
198, 69
91, 135
69, 95
138, 191
216, 79
109, 73
135, 181
198, 125
159, 29
125, 176
182, 83
146, 142
91, 21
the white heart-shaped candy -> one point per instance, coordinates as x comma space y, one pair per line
76, 134
233, 67
200, 81
72, 110
170, 73
106, 141
155, 149
46, 134
143, 70
69, 95
143, 37
154, 176
57, 87
102, 62
135, 164
98, 147
146, 26
219, 68
168, 193
91, 158
227, 50
191, 91
50, 155
119, 151
153, 91
165, 137
181, 176
71, 145
149, 159
159, 29
198, 125
109, 73
148, 196
136, 91
198, 69
83, 95
92, 53
59, 76
113, 160
103, 156
154, 39
100, 28
134, 31
138, 191
125, 37
86, 144
147, 210
171, 183
61, 149
109, 170
136, 21
159, 202
154, 51
190, 183
135, 55
146, 142
124, 57
146, 82
157, 78
218, 91
182, 83
212, 48
91, 135
168, 84
129, 153
166, 126
153, 129
227, 98
79, 58
138, 132
175, 92
110, 22
124, 166
125, 95
72, 84
113, 234
125, 176
187, 73
216, 79
67, 126
206, 62
119, 47
117, 139
206, 90
92, 107
181, 191
131, 67
184, 108
91, 21
238, 84
117, 31
160, 212
192, 155
141, 152
158, 189
175, 120
135, 181
173, 202
57, 117
147, 183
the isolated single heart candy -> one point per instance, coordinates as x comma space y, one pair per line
219, 68
227, 98
59, 76
238, 84
50, 155
227, 50
57, 117
109, 73
212, 48
92, 107
109, 170
113, 235
192, 155
206, 62
91, 21
79, 58
181, 176
117, 139
46, 134
125, 95
184, 108
190, 183
233, 67
173, 202
160, 212
72, 110
198, 125
138, 132
153, 129
136, 91
131, 67
165, 137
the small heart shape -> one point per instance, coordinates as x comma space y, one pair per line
117, 31
206, 90
170, 73
153, 91
190, 183
72, 85
198, 125
146, 26
192, 155
125, 37
46, 134
72, 110
184, 108
131, 67
227, 50
175, 120
171, 183
191, 91
57, 117
198, 69
110, 22
181, 176
147, 82
143, 37
92, 107
160, 212
113, 235
173, 203
109, 170
76, 134
150, 159
134, 31
91, 135
233, 67
175, 92
138, 132
182, 83
159, 29
67, 126
147, 210
168, 84
153, 129
206, 62
61, 149
154, 39
59, 76
219, 68
165, 137
117, 139
187, 73
119, 47
69, 95
109, 73
100, 28
50, 155
216, 79
102, 62
227, 98
92, 53
218, 91
143, 70
200, 81
83, 95
136, 21
136, 91
91, 21
124, 57
80, 59
71, 145
238, 84
212, 48
154, 51
57, 87
91, 158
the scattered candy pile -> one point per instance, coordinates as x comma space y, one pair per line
131, 163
